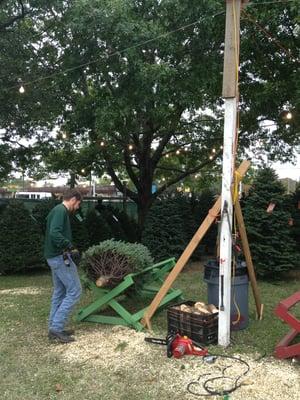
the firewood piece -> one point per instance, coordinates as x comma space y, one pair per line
102, 281
212, 308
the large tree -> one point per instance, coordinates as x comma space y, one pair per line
135, 88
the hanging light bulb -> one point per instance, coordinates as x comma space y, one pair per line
83, 170
102, 144
64, 135
213, 150
22, 89
221, 147
177, 151
130, 147
167, 156
289, 115
163, 179
186, 149
210, 157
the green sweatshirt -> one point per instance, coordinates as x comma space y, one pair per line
58, 232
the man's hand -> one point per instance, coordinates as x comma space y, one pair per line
74, 254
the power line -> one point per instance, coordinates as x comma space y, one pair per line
271, 2
114, 53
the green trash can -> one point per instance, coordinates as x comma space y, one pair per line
239, 312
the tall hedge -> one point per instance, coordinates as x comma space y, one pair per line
21, 243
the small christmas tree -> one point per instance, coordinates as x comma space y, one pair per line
267, 222
21, 242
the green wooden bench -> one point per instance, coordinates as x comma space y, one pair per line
140, 285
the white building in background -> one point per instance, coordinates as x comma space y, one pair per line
33, 195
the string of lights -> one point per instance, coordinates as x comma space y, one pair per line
118, 52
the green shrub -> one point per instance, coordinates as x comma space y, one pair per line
41, 210
112, 260
21, 242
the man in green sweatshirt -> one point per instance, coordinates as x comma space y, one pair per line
62, 257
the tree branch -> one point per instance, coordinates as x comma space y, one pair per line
129, 170
117, 181
10, 22
185, 174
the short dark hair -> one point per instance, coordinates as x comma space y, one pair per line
70, 193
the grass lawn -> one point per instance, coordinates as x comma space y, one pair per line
31, 368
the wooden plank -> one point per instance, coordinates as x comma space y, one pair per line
247, 254
232, 44
185, 256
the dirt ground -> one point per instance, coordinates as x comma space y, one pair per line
132, 360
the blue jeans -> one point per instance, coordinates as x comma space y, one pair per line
66, 292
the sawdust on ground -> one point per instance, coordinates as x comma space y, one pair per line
125, 355
23, 290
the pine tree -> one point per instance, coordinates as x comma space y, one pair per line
201, 206
169, 227
294, 207
97, 227
272, 246
21, 242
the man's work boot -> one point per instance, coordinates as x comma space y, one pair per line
60, 337
69, 332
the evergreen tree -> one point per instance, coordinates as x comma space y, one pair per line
97, 227
294, 207
169, 227
201, 206
21, 242
272, 246
128, 225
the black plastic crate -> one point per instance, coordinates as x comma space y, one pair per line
200, 328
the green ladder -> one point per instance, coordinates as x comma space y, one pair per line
140, 285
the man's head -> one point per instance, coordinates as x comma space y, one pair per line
72, 199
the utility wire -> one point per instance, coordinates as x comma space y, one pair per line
163, 35
27, 83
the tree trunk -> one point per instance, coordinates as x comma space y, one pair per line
144, 203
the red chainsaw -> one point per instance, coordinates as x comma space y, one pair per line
178, 346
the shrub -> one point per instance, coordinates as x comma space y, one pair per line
41, 210
21, 243
111, 260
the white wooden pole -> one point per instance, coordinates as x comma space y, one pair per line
226, 223
230, 94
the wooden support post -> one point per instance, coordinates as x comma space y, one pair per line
183, 259
247, 254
